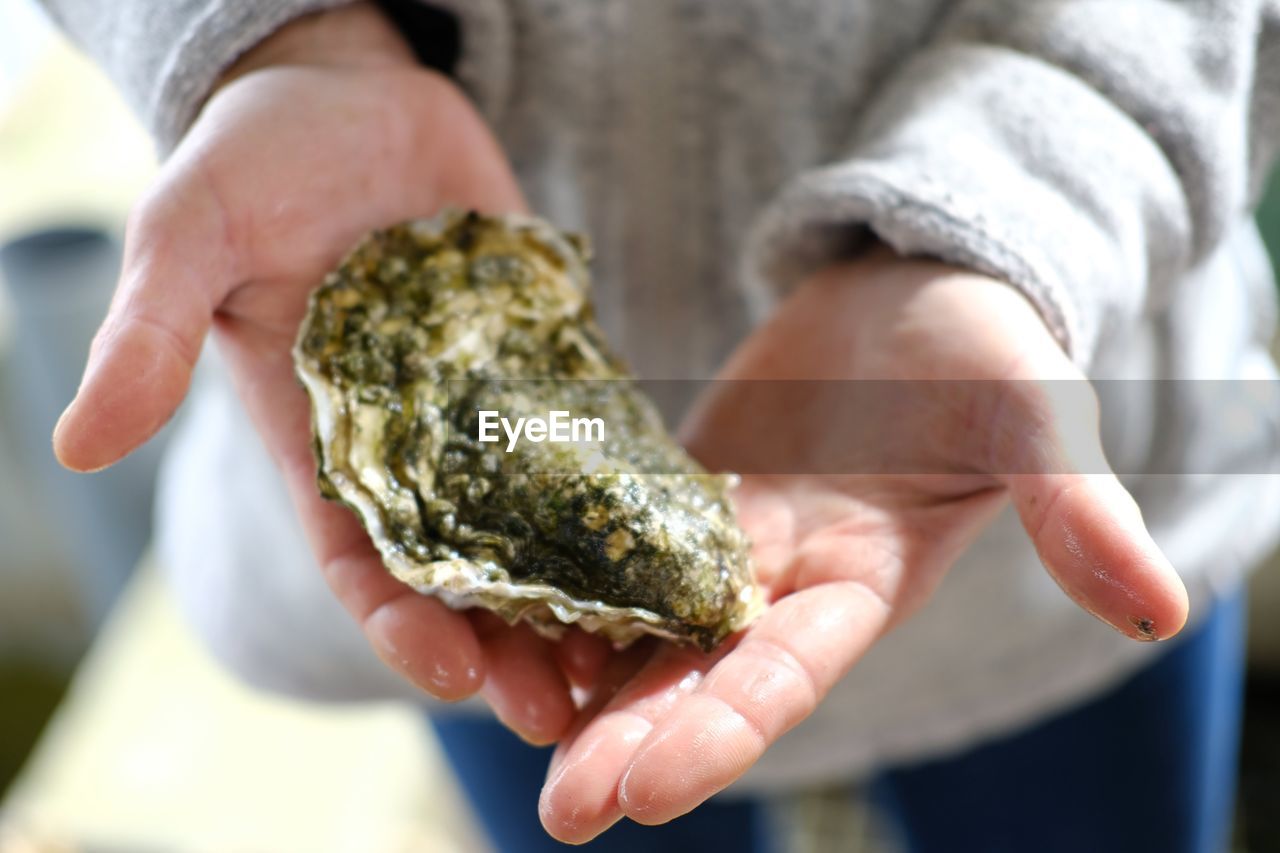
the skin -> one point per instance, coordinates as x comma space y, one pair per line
324, 132
327, 130
845, 558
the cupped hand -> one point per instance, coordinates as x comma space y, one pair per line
856, 510
325, 132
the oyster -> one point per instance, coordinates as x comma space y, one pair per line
429, 324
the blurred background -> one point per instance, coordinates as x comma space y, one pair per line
116, 731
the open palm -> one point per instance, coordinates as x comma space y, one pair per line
961, 399
284, 170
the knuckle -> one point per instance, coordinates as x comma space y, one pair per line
152, 228
1037, 426
787, 668
148, 217
771, 691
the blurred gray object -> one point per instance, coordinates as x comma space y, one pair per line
59, 282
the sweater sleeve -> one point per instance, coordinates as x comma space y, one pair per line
164, 56
1088, 152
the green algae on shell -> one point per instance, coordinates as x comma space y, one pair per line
428, 323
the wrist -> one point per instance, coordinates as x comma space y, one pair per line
357, 35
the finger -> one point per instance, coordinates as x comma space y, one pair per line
525, 685
582, 656
1091, 538
580, 797
417, 636
771, 681
426, 642
180, 260
619, 672
431, 645
1087, 529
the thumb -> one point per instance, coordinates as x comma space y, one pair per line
1087, 529
178, 265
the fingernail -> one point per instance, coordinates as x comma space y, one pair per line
1145, 627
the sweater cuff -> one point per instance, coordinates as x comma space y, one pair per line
222, 33
225, 30
992, 160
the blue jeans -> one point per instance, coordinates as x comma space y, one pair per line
1150, 765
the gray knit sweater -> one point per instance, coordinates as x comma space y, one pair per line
1100, 155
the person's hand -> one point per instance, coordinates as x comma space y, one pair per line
323, 132
859, 511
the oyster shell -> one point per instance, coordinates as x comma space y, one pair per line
430, 322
